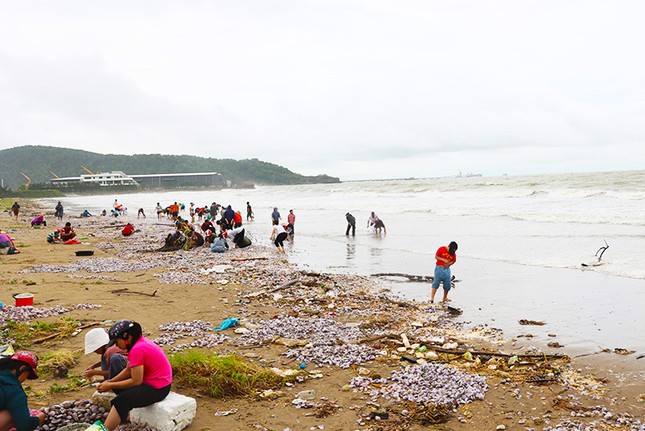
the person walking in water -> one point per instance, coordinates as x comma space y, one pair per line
291, 221
351, 224
446, 256
249, 212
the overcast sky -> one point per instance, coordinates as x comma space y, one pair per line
352, 88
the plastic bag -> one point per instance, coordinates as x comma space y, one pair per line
96, 426
228, 323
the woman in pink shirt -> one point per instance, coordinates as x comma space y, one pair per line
145, 381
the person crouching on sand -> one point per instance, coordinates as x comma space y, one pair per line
446, 257
14, 411
67, 232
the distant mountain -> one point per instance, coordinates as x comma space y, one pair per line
38, 163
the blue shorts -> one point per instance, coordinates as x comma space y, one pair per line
441, 274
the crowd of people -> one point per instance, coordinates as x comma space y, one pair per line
130, 365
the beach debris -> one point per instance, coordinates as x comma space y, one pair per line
454, 310
598, 254
531, 322
555, 344
306, 395
228, 323
408, 277
622, 351
431, 383
226, 412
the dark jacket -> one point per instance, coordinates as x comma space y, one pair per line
350, 219
14, 399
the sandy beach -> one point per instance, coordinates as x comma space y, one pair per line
124, 279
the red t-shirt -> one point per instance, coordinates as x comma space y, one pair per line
237, 217
443, 252
127, 230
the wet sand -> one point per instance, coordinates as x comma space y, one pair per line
608, 379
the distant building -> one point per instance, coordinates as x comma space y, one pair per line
180, 180
118, 178
104, 179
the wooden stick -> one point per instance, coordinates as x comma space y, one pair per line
56, 334
126, 290
284, 286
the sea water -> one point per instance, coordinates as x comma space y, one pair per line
522, 240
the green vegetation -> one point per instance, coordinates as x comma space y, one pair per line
221, 376
38, 162
23, 334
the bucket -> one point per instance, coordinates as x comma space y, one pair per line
24, 299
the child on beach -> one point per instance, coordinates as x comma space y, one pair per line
54, 237
446, 257
113, 359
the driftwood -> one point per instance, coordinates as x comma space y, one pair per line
410, 277
126, 290
284, 286
56, 334
243, 259
462, 352
504, 355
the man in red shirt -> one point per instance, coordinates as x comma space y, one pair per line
446, 257
291, 219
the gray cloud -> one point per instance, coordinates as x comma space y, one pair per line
355, 89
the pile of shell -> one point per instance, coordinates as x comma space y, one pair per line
576, 425
318, 331
427, 384
97, 265
606, 419
25, 314
70, 412
177, 277
201, 331
93, 277
343, 356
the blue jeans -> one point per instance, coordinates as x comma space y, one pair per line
441, 274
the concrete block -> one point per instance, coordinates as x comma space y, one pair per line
102, 399
174, 413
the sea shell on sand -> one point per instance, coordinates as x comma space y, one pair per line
426, 384
26, 314
319, 331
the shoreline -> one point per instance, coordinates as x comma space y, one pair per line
214, 301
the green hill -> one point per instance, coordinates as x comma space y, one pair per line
37, 162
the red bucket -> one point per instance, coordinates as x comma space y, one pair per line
24, 299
